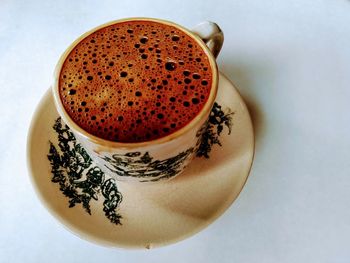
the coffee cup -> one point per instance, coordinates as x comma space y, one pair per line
137, 94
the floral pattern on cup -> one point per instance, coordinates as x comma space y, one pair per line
144, 166
82, 182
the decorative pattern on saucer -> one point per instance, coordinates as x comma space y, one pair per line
79, 180
82, 182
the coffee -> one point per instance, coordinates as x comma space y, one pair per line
135, 81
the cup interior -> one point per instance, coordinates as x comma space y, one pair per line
199, 118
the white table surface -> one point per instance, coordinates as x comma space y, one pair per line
291, 62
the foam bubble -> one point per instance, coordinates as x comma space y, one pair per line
170, 65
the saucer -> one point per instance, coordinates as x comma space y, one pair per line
97, 208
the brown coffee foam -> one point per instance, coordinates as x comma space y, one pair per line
135, 81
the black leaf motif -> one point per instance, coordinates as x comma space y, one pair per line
215, 126
113, 198
79, 180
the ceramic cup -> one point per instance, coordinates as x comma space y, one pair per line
162, 158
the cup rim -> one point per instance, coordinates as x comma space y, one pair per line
107, 143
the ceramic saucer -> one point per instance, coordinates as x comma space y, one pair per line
97, 208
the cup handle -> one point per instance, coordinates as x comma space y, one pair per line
211, 34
